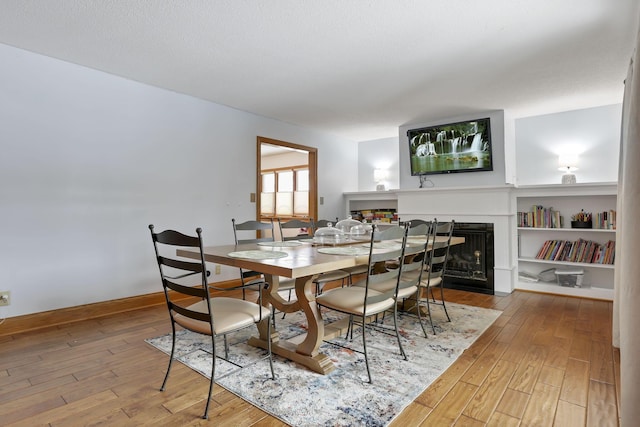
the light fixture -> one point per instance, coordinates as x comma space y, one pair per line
379, 176
568, 165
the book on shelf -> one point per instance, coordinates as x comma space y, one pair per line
540, 217
605, 220
581, 250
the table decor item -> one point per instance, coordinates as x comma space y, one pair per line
581, 220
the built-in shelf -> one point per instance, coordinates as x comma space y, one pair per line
568, 200
571, 230
567, 263
552, 288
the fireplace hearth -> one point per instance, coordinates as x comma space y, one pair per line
470, 265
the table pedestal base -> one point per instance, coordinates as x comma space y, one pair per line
319, 363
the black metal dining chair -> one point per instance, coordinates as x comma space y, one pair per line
184, 281
253, 231
361, 302
433, 270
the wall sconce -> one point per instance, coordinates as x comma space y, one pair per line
380, 176
567, 165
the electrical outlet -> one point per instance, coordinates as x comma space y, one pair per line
217, 269
4, 298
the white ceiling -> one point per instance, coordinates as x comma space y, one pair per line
355, 68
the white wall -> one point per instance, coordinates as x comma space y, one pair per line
378, 154
593, 134
489, 178
88, 160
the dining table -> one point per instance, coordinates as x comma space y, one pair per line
303, 261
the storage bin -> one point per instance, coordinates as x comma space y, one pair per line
570, 278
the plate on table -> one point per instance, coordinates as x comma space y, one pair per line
257, 254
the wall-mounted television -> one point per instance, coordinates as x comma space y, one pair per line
452, 147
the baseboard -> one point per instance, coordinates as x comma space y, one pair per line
61, 316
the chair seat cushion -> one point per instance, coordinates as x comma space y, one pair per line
331, 276
413, 275
351, 300
405, 290
229, 314
435, 281
358, 269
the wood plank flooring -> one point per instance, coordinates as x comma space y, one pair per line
546, 361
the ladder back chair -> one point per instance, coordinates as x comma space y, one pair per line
330, 276
435, 265
305, 228
185, 281
362, 301
253, 231
325, 223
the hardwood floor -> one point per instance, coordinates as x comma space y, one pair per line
546, 361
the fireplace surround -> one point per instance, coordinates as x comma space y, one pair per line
483, 204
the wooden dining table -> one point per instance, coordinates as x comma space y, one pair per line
303, 262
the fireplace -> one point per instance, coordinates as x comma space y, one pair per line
470, 265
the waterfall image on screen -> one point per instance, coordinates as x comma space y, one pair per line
453, 147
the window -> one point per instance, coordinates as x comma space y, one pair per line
285, 193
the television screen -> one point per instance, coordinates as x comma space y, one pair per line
453, 147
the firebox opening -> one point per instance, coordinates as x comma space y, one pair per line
470, 265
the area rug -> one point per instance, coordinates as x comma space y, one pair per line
300, 397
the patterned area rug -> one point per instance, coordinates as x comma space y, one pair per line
301, 397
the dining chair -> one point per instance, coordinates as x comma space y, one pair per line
362, 301
353, 271
411, 265
184, 281
253, 231
434, 268
330, 276
325, 222
304, 228
416, 229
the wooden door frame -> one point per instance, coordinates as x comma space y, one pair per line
313, 172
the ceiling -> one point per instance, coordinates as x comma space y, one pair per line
355, 68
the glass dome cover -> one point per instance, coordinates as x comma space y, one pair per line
329, 234
361, 231
347, 225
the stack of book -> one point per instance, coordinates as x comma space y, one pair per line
375, 215
605, 220
582, 250
540, 217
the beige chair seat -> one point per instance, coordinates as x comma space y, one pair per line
328, 277
412, 275
229, 314
351, 300
357, 269
331, 276
388, 286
